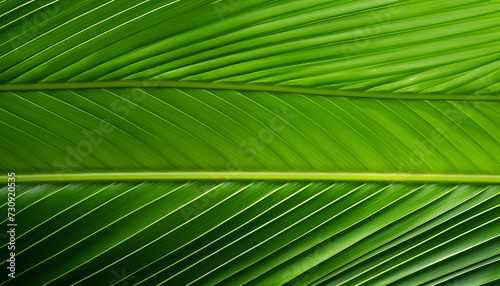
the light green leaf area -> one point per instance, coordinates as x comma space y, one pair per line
166, 129
381, 45
251, 142
260, 233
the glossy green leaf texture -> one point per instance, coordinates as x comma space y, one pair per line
167, 129
232, 142
257, 233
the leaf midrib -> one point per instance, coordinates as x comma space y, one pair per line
256, 176
241, 87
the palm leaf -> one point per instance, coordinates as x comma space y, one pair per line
252, 142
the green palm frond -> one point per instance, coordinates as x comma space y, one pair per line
252, 142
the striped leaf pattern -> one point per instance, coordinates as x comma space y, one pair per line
255, 142
379, 45
209, 130
257, 233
